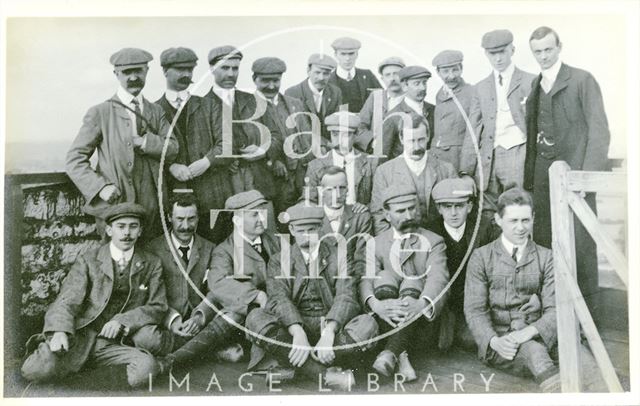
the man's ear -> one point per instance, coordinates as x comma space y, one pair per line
108, 230
497, 219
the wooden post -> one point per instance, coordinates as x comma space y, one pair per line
564, 260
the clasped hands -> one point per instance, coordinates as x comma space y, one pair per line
507, 346
321, 352
397, 311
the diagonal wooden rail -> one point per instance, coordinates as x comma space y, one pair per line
566, 187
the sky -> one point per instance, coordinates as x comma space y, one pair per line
59, 67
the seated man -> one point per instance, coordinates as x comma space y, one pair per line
456, 224
108, 309
312, 307
410, 279
196, 331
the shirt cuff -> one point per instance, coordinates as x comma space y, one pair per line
171, 320
366, 304
429, 310
144, 143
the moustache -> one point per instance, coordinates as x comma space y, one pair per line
407, 225
135, 83
185, 81
185, 230
419, 151
127, 240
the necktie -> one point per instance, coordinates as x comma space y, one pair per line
317, 98
184, 252
178, 102
122, 265
500, 80
514, 255
262, 252
136, 104
349, 76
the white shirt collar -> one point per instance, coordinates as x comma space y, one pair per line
552, 73
177, 243
417, 106
509, 246
258, 240
126, 97
332, 213
344, 74
416, 166
222, 93
274, 100
315, 91
172, 95
338, 158
309, 256
393, 101
506, 75
455, 233
398, 236
117, 253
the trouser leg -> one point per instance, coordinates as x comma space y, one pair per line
153, 339
532, 359
140, 364
43, 365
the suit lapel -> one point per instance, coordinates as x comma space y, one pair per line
345, 221
106, 261
516, 79
119, 110
561, 81
357, 172
194, 258
308, 96
137, 262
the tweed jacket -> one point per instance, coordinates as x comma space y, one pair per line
364, 136
351, 224
496, 288
391, 144
449, 127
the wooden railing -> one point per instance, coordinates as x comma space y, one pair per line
566, 192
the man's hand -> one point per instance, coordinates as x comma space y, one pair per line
505, 346
109, 193
233, 167
252, 152
324, 347
59, 342
414, 306
180, 172
524, 335
261, 299
176, 326
301, 349
359, 208
193, 325
110, 330
279, 169
199, 167
393, 311
137, 140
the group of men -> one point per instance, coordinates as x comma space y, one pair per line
378, 189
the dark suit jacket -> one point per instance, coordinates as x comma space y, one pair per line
182, 298
364, 168
579, 120
331, 100
484, 106
365, 81
235, 294
391, 145
351, 224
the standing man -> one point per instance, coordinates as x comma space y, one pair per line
390, 97
416, 167
414, 85
128, 133
316, 93
355, 83
566, 121
449, 124
497, 117
410, 275
267, 76
313, 306
108, 309
456, 224
357, 165
199, 134
191, 320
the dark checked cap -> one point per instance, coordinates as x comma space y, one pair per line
303, 214
392, 60
126, 209
398, 192
322, 60
414, 72
269, 66
131, 57
346, 44
342, 119
453, 190
218, 53
447, 57
496, 39
178, 57
245, 200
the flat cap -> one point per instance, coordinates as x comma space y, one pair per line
342, 119
245, 200
392, 60
183, 57
447, 57
218, 53
494, 40
269, 66
126, 209
453, 190
414, 72
323, 61
398, 192
131, 57
302, 213
345, 44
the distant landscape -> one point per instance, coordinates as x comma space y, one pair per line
35, 157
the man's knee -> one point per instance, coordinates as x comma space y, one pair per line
140, 368
153, 339
41, 365
362, 329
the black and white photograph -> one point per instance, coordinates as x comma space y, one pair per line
266, 200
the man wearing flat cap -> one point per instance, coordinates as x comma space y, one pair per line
199, 134
357, 165
355, 83
449, 124
108, 310
319, 97
497, 118
267, 76
415, 165
128, 134
413, 80
380, 101
410, 268
454, 199
314, 307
